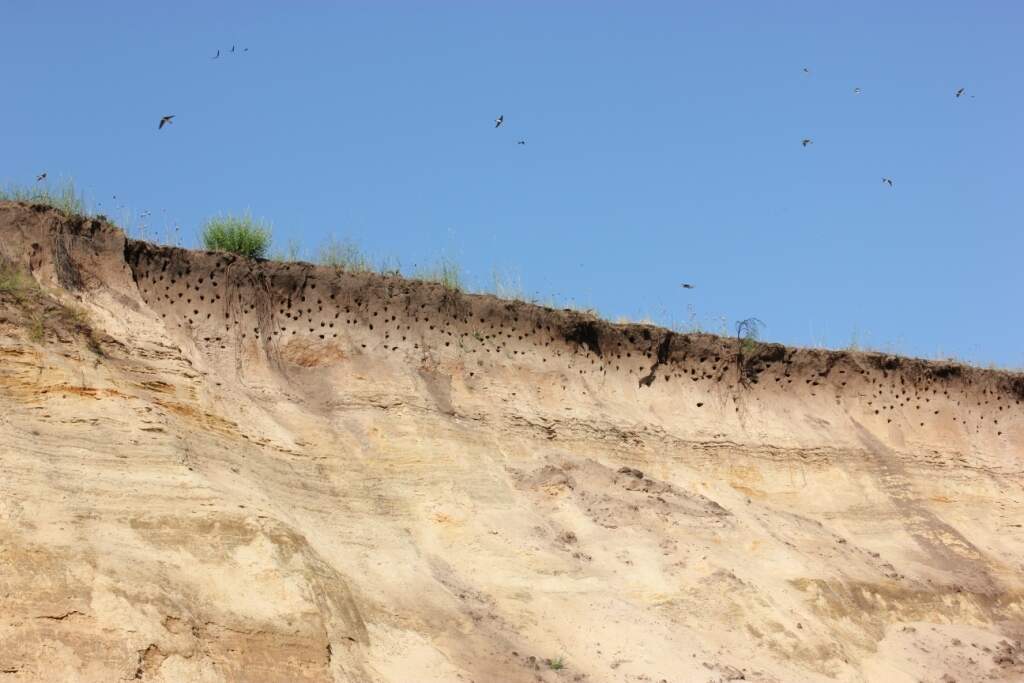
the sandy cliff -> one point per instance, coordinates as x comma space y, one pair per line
216, 469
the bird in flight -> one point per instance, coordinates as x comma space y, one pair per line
856, 91
165, 120
806, 70
232, 48
960, 92
806, 141
521, 142
686, 285
216, 55
498, 121
41, 177
887, 181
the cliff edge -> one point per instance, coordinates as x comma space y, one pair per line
221, 469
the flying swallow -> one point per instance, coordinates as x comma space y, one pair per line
686, 285
216, 55
856, 91
806, 141
41, 177
888, 181
165, 120
521, 142
498, 121
960, 92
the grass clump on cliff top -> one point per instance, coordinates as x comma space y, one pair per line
748, 334
446, 272
63, 197
343, 254
242, 235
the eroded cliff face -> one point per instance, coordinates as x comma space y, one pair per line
228, 470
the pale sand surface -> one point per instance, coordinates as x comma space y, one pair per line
439, 497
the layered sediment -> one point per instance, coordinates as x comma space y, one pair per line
224, 469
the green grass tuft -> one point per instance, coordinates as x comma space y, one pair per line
556, 664
63, 197
241, 235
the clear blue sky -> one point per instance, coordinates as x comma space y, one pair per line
663, 146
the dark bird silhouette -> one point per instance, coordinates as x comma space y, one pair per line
41, 177
686, 285
498, 121
960, 92
216, 55
165, 120
806, 141
521, 142
806, 70
856, 91
232, 48
887, 181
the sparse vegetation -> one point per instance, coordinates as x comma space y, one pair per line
36, 327
748, 332
555, 664
73, 316
507, 285
446, 272
855, 343
289, 254
63, 197
343, 254
46, 314
690, 326
390, 266
247, 236
241, 235
13, 281
41, 312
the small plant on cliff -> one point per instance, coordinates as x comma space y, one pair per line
748, 332
556, 664
241, 235
36, 327
14, 282
10, 279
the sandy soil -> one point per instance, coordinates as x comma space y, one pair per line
225, 470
